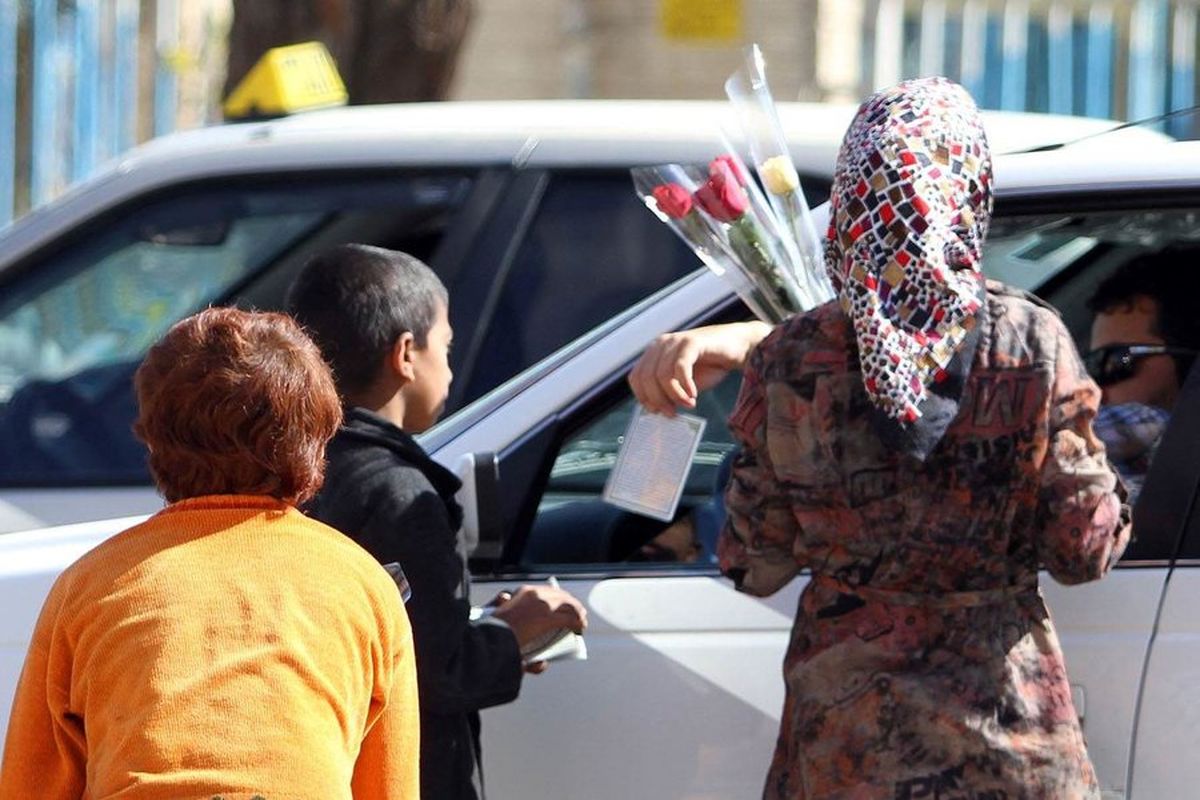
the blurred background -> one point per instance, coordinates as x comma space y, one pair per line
84, 80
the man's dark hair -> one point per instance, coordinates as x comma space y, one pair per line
356, 301
1171, 278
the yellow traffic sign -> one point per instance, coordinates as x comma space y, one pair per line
299, 77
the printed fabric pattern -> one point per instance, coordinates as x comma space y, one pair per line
909, 211
923, 662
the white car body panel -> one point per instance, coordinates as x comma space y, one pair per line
30, 562
1105, 628
662, 708
1169, 719
24, 509
696, 651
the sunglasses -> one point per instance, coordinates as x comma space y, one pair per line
1116, 362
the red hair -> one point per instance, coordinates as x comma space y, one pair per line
236, 402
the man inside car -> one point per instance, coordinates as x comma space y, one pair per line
1144, 340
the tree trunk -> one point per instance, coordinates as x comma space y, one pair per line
386, 50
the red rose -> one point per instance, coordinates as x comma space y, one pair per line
673, 200
721, 197
728, 164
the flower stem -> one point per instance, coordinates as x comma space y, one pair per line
748, 242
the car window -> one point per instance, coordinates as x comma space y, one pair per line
574, 526
74, 325
591, 251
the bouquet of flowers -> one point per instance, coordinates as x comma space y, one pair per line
767, 249
723, 216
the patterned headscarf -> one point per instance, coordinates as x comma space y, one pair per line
910, 206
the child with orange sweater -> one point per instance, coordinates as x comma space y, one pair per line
229, 646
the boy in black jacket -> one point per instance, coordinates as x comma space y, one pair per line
380, 318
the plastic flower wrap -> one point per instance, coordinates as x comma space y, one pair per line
764, 245
755, 110
727, 222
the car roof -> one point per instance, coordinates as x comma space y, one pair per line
1094, 165
577, 133
623, 131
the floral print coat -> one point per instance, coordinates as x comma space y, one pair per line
923, 663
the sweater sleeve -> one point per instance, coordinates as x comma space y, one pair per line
463, 666
386, 768
45, 750
1083, 523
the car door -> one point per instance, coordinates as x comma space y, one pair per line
1072, 241
1169, 709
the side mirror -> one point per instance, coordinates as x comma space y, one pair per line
483, 526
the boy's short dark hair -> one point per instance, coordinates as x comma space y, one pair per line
1171, 278
356, 300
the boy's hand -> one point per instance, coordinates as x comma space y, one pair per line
536, 610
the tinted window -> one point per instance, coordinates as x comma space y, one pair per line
74, 326
592, 251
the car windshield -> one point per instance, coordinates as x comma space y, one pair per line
75, 325
108, 302
109, 297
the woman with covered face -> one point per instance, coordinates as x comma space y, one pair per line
924, 446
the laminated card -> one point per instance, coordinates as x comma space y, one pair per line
653, 463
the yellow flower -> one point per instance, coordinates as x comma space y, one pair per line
779, 175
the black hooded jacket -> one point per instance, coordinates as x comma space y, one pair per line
385, 492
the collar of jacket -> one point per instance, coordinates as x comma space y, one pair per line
365, 425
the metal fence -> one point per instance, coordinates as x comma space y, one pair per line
1102, 58
81, 81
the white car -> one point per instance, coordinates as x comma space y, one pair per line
516, 205
681, 694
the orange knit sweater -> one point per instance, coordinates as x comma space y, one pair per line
227, 647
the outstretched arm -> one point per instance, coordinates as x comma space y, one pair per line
676, 367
